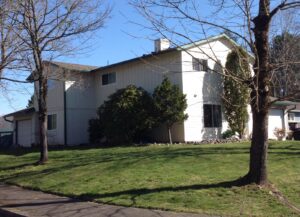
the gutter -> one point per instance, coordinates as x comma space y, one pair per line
291, 109
7, 120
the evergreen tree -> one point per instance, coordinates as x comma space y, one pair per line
30, 102
170, 104
236, 94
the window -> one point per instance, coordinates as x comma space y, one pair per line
52, 122
50, 84
200, 64
291, 116
108, 78
212, 115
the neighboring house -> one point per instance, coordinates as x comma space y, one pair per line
76, 91
294, 117
5, 125
6, 130
282, 115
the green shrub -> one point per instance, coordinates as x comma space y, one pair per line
227, 134
95, 131
125, 117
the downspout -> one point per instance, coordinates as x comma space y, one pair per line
65, 115
17, 132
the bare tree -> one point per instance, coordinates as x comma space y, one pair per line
183, 21
49, 29
284, 54
10, 46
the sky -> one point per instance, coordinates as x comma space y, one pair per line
119, 40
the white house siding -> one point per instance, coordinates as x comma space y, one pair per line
276, 120
80, 107
296, 115
202, 88
147, 73
27, 128
25, 133
55, 100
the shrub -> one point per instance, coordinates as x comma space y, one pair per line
95, 131
279, 133
227, 134
125, 117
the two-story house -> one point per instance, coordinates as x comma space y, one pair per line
76, 91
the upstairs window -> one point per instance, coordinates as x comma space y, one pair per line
108, 78
199, 64
52, 122
50, 84
212, 115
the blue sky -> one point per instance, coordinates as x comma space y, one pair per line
119, 40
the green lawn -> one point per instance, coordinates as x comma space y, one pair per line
193, 178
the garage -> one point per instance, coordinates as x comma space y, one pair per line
24, 133
276, 120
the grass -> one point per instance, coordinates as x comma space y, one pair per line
190, 178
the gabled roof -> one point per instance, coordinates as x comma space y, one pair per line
67, 66
87, 68
26, 111
283, 103
174, 49
72, 66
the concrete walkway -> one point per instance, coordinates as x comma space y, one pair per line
19, 202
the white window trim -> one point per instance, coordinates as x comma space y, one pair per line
107, 73
55, 122
291, 116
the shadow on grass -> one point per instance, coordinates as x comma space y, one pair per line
134, 193
21, 166
122, 158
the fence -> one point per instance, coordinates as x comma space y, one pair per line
6, 139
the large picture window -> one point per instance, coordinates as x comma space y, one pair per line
108, 78
212, 115
199, 64
52, 122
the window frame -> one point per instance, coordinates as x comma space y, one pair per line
291, 116
51, 122
50, 84
111, 78
212, 116
200, 64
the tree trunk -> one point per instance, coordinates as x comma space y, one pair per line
43, 119
258, 152
170, 134
260, 97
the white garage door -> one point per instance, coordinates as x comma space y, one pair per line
24, 133
275, 121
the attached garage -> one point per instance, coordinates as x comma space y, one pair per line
24, 135
24, 127
276, 120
